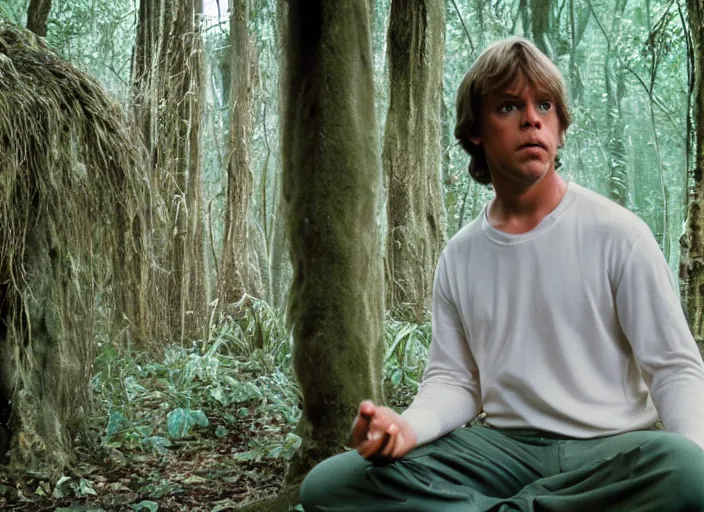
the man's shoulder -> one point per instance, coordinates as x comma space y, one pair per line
468, 234
603, 216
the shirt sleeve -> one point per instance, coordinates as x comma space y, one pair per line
449, 393
652, 319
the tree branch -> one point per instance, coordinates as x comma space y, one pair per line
469, 38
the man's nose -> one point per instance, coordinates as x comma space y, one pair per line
531, 117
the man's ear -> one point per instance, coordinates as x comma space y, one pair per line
475, 139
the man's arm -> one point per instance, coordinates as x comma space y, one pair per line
652, 319
449, 393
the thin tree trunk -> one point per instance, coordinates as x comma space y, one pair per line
38, 16
235, 271
331, 172
279, 262
692, 259
412, 152
279, 265
540, 24
615, 78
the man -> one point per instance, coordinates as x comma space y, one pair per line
554, 313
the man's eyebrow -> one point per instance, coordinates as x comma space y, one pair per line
510, 95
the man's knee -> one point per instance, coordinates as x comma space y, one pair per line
678, 464
327, 482
311, 490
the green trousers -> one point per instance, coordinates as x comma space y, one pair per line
479, 469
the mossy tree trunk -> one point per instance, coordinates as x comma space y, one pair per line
235, 273
412, 153
331, 171
38, 16
692, 258
168, 77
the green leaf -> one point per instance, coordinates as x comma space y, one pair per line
115, 422
221, 431
179, 422
145, 505
133, 388
218, 394
194, 479
245, 456
157, 442
85, 488
61, 488
199, 418
396, 377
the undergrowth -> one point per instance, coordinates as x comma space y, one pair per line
242, 371
204, 426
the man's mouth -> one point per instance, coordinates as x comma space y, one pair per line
533, 145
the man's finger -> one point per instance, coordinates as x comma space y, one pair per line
389, 449
374, 446
362, 424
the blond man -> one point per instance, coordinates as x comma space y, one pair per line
556, 316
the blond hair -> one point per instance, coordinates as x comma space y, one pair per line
496, 69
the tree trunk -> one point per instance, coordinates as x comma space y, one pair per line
615, 78
412, 154
540, 24
38, 16
278, 247
234, 267
692, 259
331, 170
168, 77
578, 21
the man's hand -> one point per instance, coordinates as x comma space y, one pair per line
379, 433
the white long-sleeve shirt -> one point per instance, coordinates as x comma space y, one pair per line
574, 327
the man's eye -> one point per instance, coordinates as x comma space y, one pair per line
545, 106
507, 107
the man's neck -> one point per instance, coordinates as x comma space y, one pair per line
518, 210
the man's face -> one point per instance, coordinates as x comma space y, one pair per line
520, 132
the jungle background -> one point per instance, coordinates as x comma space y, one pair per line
220, 220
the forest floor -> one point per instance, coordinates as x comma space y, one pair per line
155, 456
199, 428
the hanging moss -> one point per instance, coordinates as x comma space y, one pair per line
73, 251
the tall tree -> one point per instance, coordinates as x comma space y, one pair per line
540, 24
234, 273
168, 76
38, 16
412, 153
692, 257
331, 173
278, 247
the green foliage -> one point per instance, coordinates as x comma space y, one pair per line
236, 385
209, 389
96, 36
406, 353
